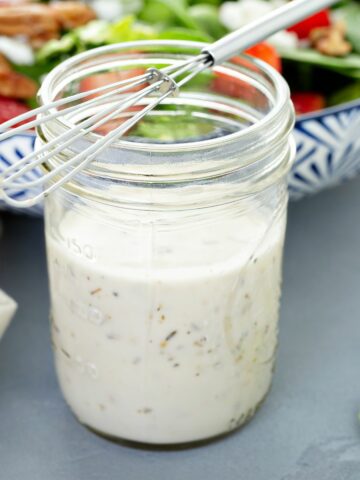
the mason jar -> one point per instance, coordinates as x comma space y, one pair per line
165, 253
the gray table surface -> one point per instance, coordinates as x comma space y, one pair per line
307, 430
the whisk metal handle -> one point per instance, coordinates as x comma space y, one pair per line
281, 18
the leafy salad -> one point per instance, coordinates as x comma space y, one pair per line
319, 57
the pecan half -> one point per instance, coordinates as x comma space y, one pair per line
28, 20
331, 40
72, 14
41, 23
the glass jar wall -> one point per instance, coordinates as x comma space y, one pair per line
165, 253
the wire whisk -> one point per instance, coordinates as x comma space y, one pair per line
117, 98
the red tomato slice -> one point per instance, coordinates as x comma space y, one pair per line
307, 102
102, 79
236, 88
11, 108
266, 52
228, 85
304, 28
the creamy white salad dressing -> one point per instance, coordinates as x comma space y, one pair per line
174, 340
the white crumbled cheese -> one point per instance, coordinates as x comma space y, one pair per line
234, 15
107, 10
284, 39
7, 310
17, 50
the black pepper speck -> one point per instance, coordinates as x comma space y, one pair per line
67, 355
145, 410
171, 335
112, 336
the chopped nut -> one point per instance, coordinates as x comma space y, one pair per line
331, 40
41, 23
27, 20
71, 14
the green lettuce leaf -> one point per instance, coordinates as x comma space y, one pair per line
349, 65
178, 33
347, 94
179, 9
127, 30
170, 13
93, 33
207, 18
67, 44
350, 13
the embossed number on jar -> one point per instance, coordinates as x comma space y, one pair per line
84, 250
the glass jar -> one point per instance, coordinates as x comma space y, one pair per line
165, 253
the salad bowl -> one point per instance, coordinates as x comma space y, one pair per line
328, 149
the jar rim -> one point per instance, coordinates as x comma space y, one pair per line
281, 97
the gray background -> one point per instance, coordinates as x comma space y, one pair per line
307, 430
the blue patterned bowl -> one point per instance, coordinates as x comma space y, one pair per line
328, 151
